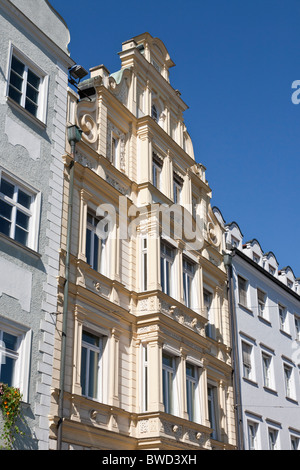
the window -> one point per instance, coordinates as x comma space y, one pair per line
144, 263
261, 301
212, 410
256, 258
91, 370
247, 363
252, 435
17, 212
266, 359
295, 443
192, 392
273, 438
168, 379
177, 188
208, 298
297, 327
154, 113
242, 286
95, 247
282, 317
166, 261
26, 85
272, 270
15, 341
115, 151
288, 371
188, 276
144, 376
156, 171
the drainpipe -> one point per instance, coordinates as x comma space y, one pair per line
235, 357
74, 136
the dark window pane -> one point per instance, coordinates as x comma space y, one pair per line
24, 199
88, 246
32, 94
14, 95
83, 370
22, 220
33, 79
5, 226
21, 236
5, 210
7, 188
7, 371
31, 107
90, 338
10, 341
17, 66
16, 81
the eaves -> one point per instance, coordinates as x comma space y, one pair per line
269, 276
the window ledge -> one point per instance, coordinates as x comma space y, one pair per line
245, 308
292, 400
285, 333
25, 113
264, 320
14, 243
251, 382
270, 390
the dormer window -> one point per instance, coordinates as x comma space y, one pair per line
256, 258
156, 66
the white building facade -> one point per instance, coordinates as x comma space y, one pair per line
34, 62
266, 313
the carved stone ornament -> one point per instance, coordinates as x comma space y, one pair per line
86, 120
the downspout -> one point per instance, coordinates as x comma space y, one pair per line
74, 136
235, 355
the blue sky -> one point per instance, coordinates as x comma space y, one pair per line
235, 61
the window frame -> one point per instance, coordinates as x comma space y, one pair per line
192, 397
166, 267
157, 165
32, 213
20, 378
261, 303
252, 437
213, 406
100, 367
169, 383
41, 114
101, 252
273, 443
247, 365
188, 280
267, 370
243, 299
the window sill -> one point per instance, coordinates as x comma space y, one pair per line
292, 400
245, 308
250, 382
264, 320
285, 333
25, 113
15, 244
270, 390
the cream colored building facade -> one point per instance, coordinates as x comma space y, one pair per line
148, 354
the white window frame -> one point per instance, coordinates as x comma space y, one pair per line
295, 442
210, 326
101, 369
102, 258
188, 276
247, 360
32, 212
267, 370
44, 83
144, 262
273, 438
170, 384
288, 372
243, 299
261, 303
297, 327
213, 409
21, 356
177, 188
167, 268
157, 165
144, 383
193, 392
282, 311
252, 428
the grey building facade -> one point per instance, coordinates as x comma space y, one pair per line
34, 62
